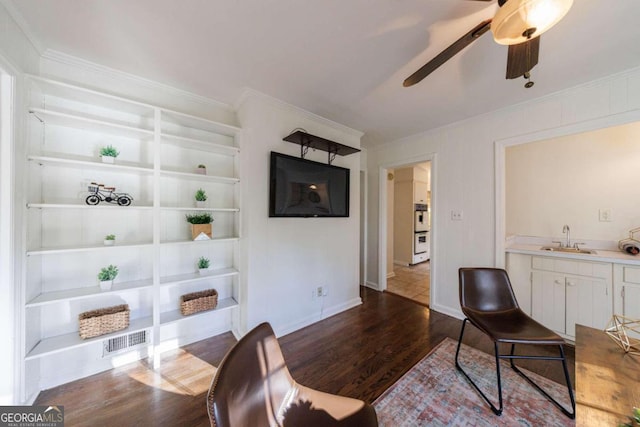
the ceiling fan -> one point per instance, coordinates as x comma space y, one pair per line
518, 24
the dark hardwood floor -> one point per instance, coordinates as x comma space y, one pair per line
357, 353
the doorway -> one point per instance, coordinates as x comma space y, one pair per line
406, 207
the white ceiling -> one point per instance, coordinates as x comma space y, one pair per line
342, 59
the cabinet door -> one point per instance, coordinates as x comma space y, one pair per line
519, 268
589, 303
548, 299
631, 301
420, 192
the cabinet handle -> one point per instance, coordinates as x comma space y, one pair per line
570, 283
559, 282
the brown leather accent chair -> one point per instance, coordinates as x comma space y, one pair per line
253, 388
488, 302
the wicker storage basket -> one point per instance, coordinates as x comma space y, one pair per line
198, 301
103, 321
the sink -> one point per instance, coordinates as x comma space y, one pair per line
568, 250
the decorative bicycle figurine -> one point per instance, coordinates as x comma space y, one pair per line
100, 193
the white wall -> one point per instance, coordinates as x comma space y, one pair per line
463, 177
17, 54
567, 180
289, 257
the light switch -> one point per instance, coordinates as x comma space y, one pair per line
605, 215
456, 215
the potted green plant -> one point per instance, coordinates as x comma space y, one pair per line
201, 169
201, 198
109, 154
107, 276
200, 225
109, 239
203, 265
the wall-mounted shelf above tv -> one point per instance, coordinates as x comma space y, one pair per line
306, 141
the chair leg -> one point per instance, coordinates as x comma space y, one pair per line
497, 411
563, 359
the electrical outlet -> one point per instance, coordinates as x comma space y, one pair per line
319, 291
605, 215
456, 215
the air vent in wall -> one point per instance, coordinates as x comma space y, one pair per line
125, 342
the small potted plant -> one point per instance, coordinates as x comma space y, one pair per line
202, 170
201, 198
107, 276
109, 154
203, 265
200, 225
109, 239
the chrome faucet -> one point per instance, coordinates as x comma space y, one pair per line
566, 229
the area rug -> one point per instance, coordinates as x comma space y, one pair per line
434, 393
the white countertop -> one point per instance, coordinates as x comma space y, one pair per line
601, 255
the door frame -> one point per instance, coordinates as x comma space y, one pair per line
383, 169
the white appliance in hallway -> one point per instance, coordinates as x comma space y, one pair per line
421, 233
410, 221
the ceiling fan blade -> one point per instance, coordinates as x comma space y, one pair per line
522, 57
448, 53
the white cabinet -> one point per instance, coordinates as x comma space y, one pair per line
626, 282
565, 292
519, 269
159, 153
420, 192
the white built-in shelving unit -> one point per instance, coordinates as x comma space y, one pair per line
160, 150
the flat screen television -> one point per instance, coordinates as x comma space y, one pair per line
304, 188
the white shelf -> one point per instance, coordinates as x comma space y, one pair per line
162, 165
175, 315
183, 208
84, 162
103, 205
81, 293
196, 277
199, 123
199, 177
199, 144
85, 248
92, 97
64, 342
187, 242
76, 121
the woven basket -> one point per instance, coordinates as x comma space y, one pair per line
198, 301
103, 321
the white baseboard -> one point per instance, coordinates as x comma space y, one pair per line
372, 285
309, 320
446, 310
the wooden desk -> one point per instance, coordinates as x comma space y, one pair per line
607, 380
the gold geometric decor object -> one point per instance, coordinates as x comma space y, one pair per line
618, 330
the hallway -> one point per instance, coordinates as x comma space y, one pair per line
411, 282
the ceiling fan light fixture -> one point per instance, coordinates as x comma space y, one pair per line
518, 20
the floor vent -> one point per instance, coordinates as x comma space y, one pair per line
125, 342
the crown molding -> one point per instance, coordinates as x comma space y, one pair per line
249, 93
83, 64
23, 25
